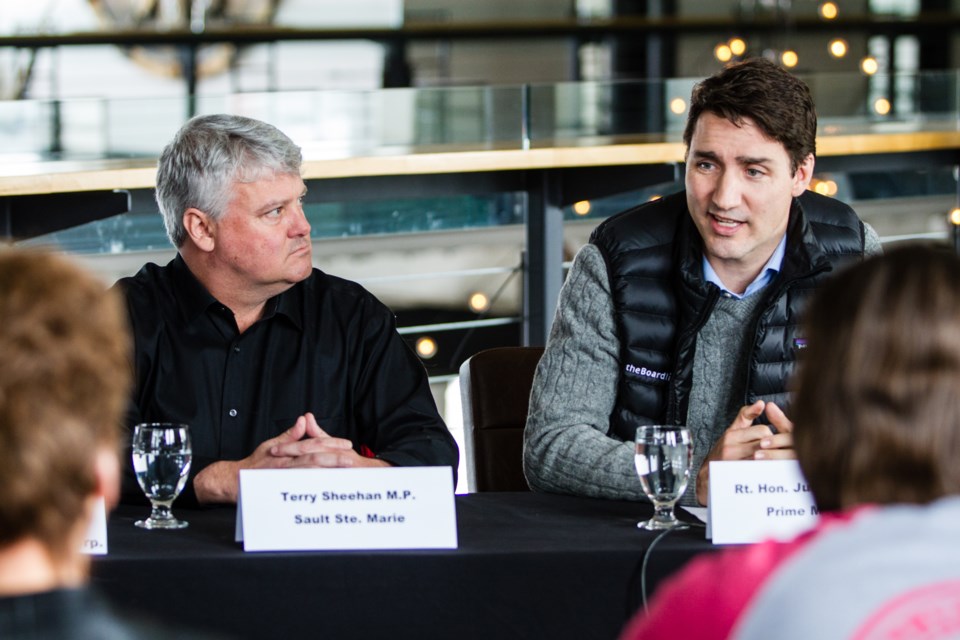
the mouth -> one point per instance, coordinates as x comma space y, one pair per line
724, 226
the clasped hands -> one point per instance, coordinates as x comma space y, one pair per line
304, 445
744, 440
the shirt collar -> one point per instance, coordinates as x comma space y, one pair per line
769, 271
195, 298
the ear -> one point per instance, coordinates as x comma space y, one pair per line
803, 176
201, 229
107, 472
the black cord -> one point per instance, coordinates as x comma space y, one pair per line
646, 558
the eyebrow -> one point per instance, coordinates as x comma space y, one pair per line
748, 160
741, 160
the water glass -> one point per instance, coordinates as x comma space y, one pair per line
161, 460
664, 454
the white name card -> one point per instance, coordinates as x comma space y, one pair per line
326, 509
95, 542
752, 500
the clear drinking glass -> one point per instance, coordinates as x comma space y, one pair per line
663, 458
161, 459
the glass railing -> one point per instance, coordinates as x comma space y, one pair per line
45, 135
900, 201
338, 124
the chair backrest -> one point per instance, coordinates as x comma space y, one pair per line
495, 391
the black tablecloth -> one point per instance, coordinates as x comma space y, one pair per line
528, 566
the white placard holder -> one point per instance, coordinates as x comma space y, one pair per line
754, 500
95, 542
338, 509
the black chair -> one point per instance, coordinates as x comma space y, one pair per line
495, 392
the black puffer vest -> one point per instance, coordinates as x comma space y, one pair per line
654, 261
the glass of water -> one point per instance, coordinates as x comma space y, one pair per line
161, 460
663, 458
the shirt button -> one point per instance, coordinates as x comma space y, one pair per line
236, 349
233, 413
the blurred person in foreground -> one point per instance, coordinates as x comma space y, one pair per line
685, 310
64, 385
272, 363
877, 436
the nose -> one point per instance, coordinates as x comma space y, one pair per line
299, 225
727, 192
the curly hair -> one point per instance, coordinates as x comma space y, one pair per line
64, 386
199, 167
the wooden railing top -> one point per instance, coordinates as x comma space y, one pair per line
61, 176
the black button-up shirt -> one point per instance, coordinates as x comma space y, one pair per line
325, 345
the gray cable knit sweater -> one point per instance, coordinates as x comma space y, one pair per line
566, 446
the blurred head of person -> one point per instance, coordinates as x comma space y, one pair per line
877, 407
64, 383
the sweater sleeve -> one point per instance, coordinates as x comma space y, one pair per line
871, 241
566, 446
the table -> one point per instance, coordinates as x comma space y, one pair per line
528, 566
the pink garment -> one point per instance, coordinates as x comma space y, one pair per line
707, 597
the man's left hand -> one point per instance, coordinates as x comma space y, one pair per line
780, 445
318, 449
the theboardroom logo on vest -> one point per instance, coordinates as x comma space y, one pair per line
643, 372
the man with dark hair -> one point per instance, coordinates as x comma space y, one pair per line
273, 364
686, 310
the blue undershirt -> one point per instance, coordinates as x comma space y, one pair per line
769, 271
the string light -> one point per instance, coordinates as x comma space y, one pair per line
955, 216
789, 58
881, 106
838, 47
869, 65
828, 11
426, 347
737, 46
582, 207
722, 52
678, 106
824, 187
479, 302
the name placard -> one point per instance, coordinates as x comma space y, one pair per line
95, 542
328, 509
752, 500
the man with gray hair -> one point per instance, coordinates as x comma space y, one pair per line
274, 364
